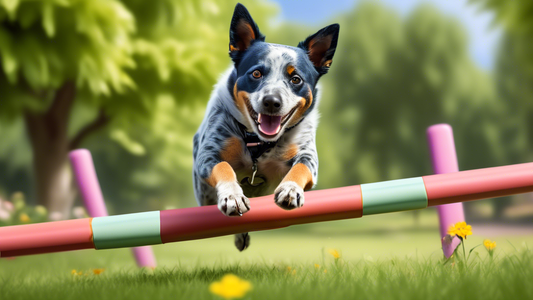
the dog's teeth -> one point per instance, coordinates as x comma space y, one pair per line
259, 118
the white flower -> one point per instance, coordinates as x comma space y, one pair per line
79, 212
4, 215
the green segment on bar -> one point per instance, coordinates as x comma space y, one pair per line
394, 195
129, 230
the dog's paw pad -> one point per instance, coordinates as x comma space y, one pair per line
231, 200
289, 195
242, 241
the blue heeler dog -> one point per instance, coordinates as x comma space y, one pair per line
258, 133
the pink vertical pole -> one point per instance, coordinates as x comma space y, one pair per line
91, 193
444, 160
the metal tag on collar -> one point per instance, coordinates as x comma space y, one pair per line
254, 171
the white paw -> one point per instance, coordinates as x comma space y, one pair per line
289, 195
231, 200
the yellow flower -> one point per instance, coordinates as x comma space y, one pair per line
24, 218
98, 271
75, 273
461, 229
291, 271
230, 287
489, 245
325, 271
334, 253
317, 266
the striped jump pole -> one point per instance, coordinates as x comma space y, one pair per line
157, 227
444, 160
93, 199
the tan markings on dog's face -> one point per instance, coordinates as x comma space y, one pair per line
301, 175
222, 172
290, 152
290, 69
232, 151
242, 100
303, 106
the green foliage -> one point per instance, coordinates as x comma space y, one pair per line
46, 43
514, 81
515, 62
390, 80
124, 56
514, 15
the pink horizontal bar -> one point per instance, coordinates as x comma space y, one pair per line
46, 237
204, 222
479, 184
321, 205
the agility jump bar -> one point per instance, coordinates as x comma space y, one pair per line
160, 227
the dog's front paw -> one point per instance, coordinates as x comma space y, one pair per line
289, 195
231, 200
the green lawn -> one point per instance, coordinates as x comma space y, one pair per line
383, 257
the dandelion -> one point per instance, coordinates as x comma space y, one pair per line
230, 287
461, 229
317, 266
325, 271
291, 271
490, 245
334, 253
98, 271
24, 218
76, 273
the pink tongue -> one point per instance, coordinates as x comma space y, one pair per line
269, 125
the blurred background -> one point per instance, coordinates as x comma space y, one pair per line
129, 80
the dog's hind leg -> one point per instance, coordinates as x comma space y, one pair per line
242, 241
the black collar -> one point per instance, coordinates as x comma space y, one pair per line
255, 145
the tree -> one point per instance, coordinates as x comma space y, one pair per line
110, 59
514, 74
392, 78
516, 18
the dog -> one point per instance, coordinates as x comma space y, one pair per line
258, 133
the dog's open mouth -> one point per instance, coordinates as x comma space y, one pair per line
270, 125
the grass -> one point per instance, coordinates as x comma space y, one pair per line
383, 257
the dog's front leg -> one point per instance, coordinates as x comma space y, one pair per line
301, 177
231, 199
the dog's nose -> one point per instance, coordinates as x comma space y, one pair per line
272, 103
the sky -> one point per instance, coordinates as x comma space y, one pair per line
483, 37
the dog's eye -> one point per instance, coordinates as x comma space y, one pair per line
257, 74
296, 80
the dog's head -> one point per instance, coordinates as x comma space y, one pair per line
275, 84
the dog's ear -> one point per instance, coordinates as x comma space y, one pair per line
321, 46
243, 32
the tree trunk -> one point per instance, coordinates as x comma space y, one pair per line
53, 179
50, 146
48, 134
